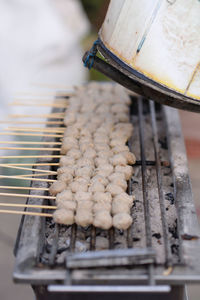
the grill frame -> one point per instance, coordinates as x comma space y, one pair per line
30, 239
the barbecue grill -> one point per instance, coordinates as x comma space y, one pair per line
157, 256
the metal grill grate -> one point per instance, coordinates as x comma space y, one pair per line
157, 223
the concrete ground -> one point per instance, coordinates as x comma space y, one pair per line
8, 231
190, 126
194, 167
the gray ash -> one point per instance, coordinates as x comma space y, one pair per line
136, 235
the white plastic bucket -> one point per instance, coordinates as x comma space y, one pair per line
158, 39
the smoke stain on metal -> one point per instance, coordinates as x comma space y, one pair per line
149, 25
192, 77
189, 237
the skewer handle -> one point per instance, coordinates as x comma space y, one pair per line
27, 196
16, 212
28, 206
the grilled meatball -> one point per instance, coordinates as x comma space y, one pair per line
69, 143
67, 205
84, 218
65, 177
57, 187
126, 170
74, 153
104, 170
114, 189
100, 179
103, 220
96, 187
66, 170
122, 221
63, 216
65, 195
66, 161
82, 196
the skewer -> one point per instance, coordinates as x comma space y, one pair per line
58, 100
54, 86
28, 205
30, 164
168, 271
31, 134
27, 196
29, 143
52, 100
27, 169
64, 94
33, 122
30, 149
30, 156
22, 188
57, 105
35, 175
17, 212
29, 179
44, 129
51, 116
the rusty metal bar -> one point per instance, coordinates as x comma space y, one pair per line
129, 230
54, 247
93, 238
168, 255
110, 258
144, 176
144, 187
73, 237
111, 234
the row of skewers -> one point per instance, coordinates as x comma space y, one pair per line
101, 120
22, 140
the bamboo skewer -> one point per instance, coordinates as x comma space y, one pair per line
35, 175
16, 212
30, 149
30, 156
50, 116
53, 86
36, 117
55, 99
27, 196
30, 143
64, 94
31, 164
28, 205
22, 188
29, 179
44, 129
27, 169
31, 134
57, 105
50, 100
32, 123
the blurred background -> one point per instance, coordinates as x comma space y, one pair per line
42, 43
